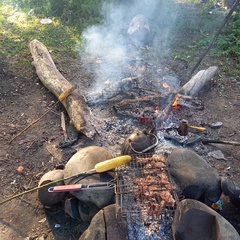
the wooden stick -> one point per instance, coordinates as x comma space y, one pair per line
63, 126
206, 141
47, 184
61, 98
216, 35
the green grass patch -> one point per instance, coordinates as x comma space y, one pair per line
184, 26
19, 28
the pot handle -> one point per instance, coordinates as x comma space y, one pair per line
148, 148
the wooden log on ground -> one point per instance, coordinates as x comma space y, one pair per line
198, 81
52, 79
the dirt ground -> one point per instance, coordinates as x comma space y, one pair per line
24, 99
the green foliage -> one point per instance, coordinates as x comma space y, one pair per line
229, 42
71, 12
184, 26
19, 28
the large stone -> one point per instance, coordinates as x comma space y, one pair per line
194, 176
82, 161
71, 207
139, 31
101, 197
195, 220
87, 212
49, 198
107, 224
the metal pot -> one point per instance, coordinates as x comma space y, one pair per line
139, 142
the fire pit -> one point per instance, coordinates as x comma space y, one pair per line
147, 196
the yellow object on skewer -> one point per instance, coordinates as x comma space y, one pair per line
104, 166
201, 129
112, 163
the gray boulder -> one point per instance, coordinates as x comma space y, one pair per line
49, 198
194, 176
139, 31
107, 224
82, 161
195, 220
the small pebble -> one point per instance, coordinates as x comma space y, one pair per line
57, 225
217, 154
215, 125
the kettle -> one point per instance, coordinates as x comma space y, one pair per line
139, 142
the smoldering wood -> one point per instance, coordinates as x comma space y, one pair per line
52, 79
190, 102
140, 107
146, 106
198, 81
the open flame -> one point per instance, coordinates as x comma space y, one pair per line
176, 100
161, 114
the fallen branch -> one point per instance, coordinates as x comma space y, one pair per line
198, 81
217, 34
49, 75
206, 141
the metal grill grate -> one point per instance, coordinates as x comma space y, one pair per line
144, 188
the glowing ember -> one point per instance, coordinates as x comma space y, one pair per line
145, 120
165, 85
175, 102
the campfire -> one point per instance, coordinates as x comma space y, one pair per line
144, 189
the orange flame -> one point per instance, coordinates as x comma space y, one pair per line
175, 102
165, 85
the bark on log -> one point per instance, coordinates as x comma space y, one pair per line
196, 83
52, 79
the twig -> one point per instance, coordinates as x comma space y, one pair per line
63, 125
60, 99
47, 184
29, 146
206, 140
216, 35
33, 123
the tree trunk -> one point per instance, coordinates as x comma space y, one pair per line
49, 75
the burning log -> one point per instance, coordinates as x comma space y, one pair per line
190, 89
49, 75
137, 107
